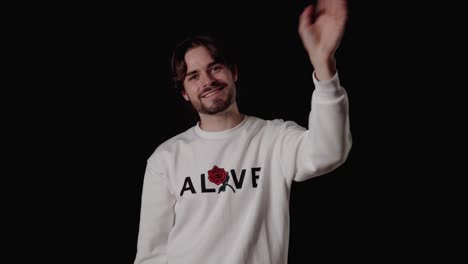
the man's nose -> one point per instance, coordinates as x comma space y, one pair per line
208, 80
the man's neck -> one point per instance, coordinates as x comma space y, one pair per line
221, 121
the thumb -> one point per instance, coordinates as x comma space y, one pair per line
306, 17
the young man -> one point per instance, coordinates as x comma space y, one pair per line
219, 192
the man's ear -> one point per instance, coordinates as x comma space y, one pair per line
234, 73
184, 94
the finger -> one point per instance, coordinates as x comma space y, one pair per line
336, 8
339, 8
305, 19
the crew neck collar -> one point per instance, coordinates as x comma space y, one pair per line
220, 134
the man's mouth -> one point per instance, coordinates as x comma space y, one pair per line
212, 92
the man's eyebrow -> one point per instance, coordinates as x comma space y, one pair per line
213, 63
196, 71
191, 73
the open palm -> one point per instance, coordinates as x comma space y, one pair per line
321, 28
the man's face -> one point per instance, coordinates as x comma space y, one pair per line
208, 85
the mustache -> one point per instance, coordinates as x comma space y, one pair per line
212, 87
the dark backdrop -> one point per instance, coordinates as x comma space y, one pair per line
117, 105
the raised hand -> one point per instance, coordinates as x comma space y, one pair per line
321, 28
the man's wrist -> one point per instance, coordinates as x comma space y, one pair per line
325, 70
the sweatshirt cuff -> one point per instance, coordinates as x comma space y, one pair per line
330, 87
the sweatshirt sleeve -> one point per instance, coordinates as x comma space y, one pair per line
156, 219
306, 153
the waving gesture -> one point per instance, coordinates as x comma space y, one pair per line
321, 28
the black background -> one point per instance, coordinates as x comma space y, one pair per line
107, 102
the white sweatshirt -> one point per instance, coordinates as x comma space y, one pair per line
223, 197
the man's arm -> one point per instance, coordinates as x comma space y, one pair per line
156, 219
327, 142
325, 145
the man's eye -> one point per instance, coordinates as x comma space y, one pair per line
216, 68
193, 77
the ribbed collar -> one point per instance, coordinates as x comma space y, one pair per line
220, 134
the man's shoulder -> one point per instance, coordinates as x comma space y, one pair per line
279, 126
272, 127
278, 122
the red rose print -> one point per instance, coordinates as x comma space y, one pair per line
217, 176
